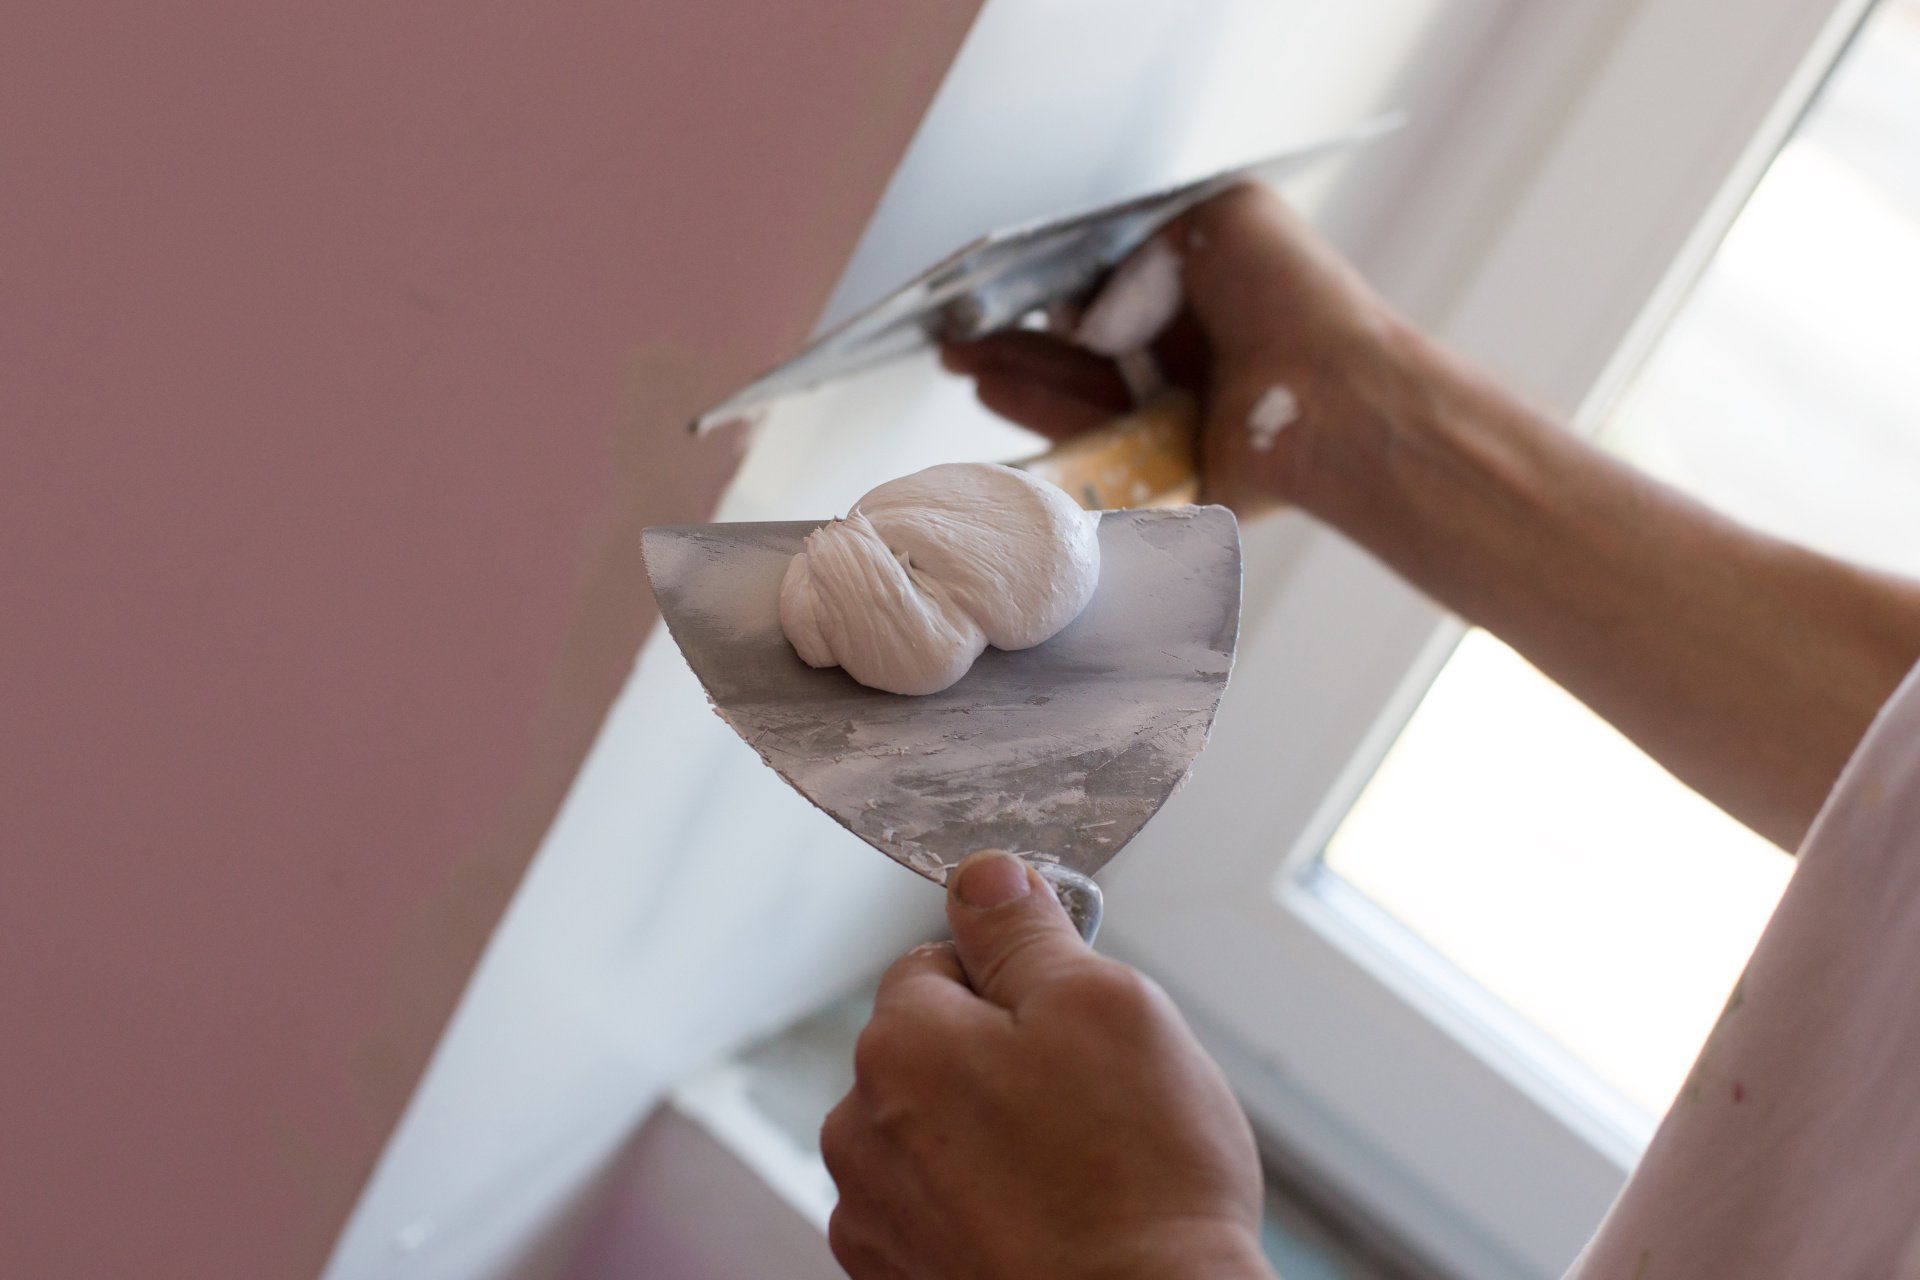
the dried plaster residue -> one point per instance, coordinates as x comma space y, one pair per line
1276, 408
1137, 303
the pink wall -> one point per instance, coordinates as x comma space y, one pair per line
342, 354
655, 1216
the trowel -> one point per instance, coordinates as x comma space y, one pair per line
1059, 753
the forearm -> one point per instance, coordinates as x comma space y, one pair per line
1206, 1254
1748, 666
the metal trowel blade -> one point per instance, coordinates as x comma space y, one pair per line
1001, 276
1060, 752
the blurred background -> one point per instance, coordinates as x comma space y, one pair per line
381, 898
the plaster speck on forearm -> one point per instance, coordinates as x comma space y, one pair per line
1271, 413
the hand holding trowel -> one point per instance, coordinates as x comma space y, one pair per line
1060, 752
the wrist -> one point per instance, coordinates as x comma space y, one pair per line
1214, 1253
1422, 452
1377, 408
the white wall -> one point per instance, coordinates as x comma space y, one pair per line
685, 898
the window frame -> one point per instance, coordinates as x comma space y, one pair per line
1606, 151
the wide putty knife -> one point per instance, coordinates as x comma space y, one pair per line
1060, 752
1005, 275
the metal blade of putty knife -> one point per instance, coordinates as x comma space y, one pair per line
1003, 275
1060, 752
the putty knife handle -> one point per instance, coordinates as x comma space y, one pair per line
1077, 893
1149, 458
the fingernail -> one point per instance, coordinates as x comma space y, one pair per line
990, 878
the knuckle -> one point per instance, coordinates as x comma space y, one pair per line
877, 1052
1237, 206
929, 958
837, 1141
843, 1238
895, 1124
856, 1237
1019, 947
908, 962
1116, 994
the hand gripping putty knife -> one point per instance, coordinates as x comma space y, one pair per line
1059, 753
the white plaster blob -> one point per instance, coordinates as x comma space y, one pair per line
928, 570
1273, 411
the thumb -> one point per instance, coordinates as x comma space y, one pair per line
1011, 933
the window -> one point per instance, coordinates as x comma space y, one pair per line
1455, 939
1538, 851
1511, 829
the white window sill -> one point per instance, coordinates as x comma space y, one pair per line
763, 1109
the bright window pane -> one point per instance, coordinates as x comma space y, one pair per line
1516, 833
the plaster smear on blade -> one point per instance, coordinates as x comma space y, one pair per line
930, 569
1067, 764
1271, 413
935, 790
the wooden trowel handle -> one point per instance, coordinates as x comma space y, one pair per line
1149, 458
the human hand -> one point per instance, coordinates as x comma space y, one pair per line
1024, 1109
1289, 350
